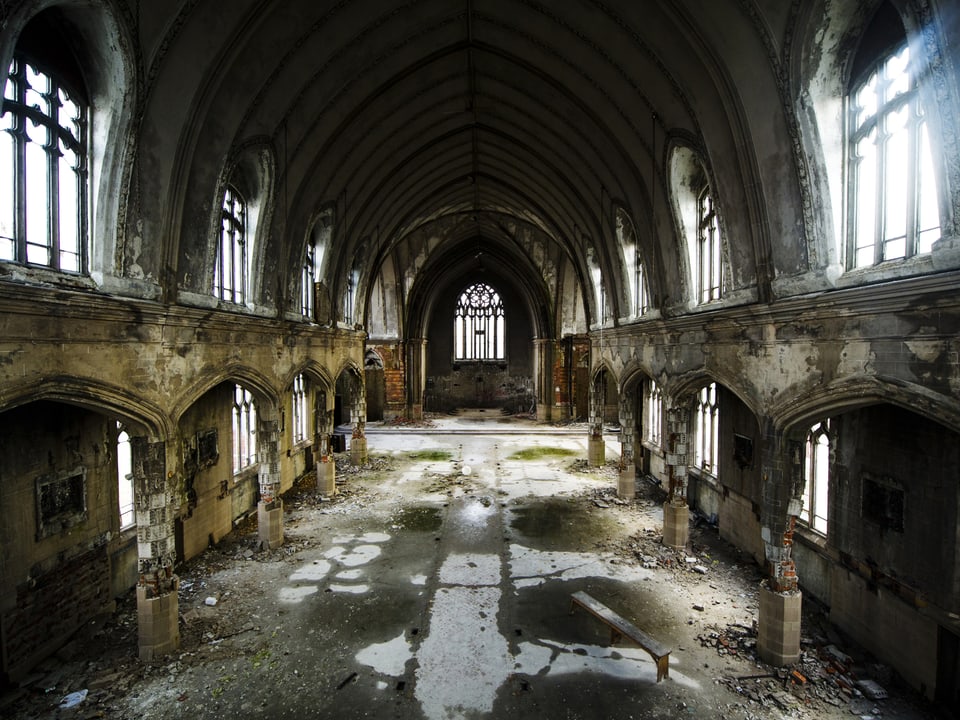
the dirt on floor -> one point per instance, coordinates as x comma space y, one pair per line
98, 674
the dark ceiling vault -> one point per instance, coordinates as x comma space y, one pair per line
547, 114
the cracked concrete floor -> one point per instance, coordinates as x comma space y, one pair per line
437, 585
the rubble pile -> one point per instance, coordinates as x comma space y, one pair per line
608, 471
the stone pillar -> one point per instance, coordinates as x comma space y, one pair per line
544, 350
270, 507
676, 516
596, 448
325, 465
358, 417
778, 629
358, 445
778, 624
158, 629
627, 482
416, 376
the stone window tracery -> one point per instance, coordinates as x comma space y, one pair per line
654, 413
244, 429
230, 272
479, 325
817, 476
43, 160
892, 193
707, 425
299, 407
709, 258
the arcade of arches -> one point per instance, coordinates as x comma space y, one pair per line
729, 231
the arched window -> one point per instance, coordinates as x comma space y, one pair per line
479, 331
307, 279
230, 273
299, 408
125, 479
654, 412
817, 475
709, 258
633, 263
244, 429
707, 421
43, 158
892, 194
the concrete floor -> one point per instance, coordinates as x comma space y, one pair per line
440, 588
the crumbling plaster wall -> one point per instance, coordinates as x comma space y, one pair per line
883, 360
142, 361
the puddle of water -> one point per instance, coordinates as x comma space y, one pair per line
388, 658
548, 521
419, 519
529, 567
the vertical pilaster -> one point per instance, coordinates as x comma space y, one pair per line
270, 508
676, 516
158, 629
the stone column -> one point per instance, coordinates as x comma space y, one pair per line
676, 516
323, 446
545, 353
627, 482
158, 629
270, 508
778, 625
596, 448
358, 416
358, 444
324, 463
416, 376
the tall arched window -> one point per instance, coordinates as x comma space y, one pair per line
707, 448
816, 493
230, 274
478, 330
244, 429
894, 212
299, 406
43, 161
709, 258
654, 412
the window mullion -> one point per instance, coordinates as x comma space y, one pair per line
53, 178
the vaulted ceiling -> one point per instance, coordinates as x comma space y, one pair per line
508, 113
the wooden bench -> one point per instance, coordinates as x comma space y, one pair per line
619, 628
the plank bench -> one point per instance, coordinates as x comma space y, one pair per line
619, 627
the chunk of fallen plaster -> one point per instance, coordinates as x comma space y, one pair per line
211, 601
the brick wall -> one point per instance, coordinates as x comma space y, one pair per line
50, 607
